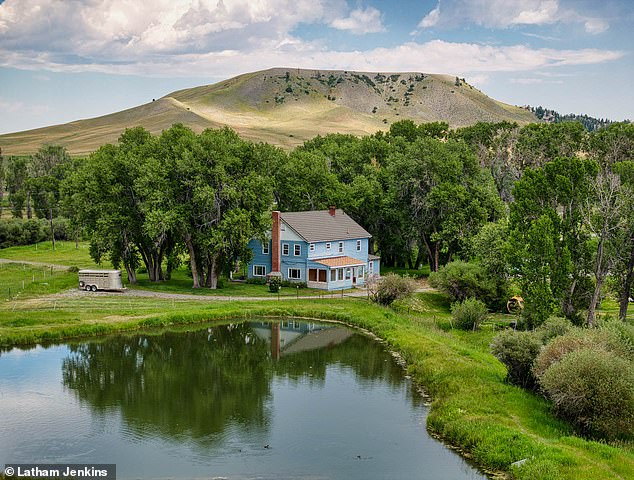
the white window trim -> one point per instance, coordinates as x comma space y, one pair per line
286, 249
265, 248
263, 268
358, 245
294, 278
295, 249
340, 247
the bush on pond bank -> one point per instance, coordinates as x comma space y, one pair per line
588, 374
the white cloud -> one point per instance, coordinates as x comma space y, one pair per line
508, 13
431, 18
221, 38
360, 21
595, 25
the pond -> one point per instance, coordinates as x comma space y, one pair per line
289, 400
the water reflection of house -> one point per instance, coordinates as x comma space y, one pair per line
291, 336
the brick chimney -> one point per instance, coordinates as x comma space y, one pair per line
275, 242
332, 210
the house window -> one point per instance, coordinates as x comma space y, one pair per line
340, 274
259, 270
358, 245
333, 275
294, 274
312, 247
298, 250
265, 248
285, 249
328, 246
340, 247
348, 273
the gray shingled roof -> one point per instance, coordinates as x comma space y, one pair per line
320, 226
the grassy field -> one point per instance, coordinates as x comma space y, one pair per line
28, 280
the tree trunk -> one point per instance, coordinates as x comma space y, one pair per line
433, 266
192, 260
627, 285
50, 219
131, 274
419, 257
29, 213
599, 276
212, 275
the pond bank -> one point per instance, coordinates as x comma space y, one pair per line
473, 409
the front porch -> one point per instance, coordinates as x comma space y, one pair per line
336, 273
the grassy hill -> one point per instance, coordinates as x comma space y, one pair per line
285, 106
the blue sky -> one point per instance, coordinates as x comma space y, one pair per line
62, 60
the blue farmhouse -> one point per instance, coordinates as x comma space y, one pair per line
325, 249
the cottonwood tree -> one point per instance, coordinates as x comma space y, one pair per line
47, 168
549, 246
603, 218
212, 192
445, 195
104, 197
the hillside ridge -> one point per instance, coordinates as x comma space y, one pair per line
285, 107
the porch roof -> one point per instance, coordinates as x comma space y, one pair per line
343, 261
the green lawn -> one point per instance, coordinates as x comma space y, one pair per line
21, 280
65, 253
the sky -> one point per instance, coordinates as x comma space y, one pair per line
63, 60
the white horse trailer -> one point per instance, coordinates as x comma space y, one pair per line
93, 280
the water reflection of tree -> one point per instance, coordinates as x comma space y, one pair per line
365, 357
194, 384
198, 384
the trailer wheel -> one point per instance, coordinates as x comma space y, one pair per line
93, 288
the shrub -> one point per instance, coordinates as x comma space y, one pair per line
517, 350
606, 338
469, 314
274, 284
392, 287
462, 280
594, 389
553, 327
291, 284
